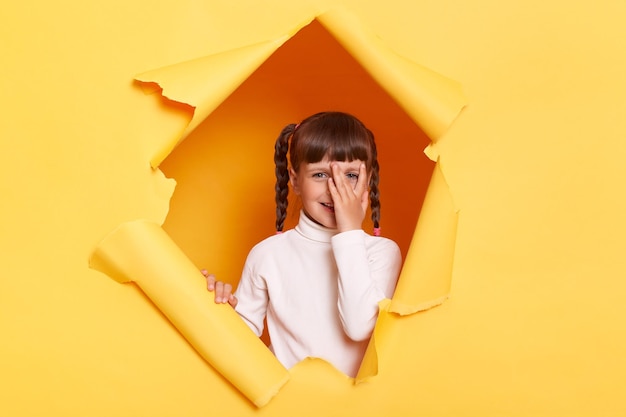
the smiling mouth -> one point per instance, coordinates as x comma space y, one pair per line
330, 207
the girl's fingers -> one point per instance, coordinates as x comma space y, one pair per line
227, 293
349, 196
210, 280
223, 290
219, 290
332, 189
342, 185
232, 300
361, 183
338, 181
362, 187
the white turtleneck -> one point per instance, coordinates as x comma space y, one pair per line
320, 291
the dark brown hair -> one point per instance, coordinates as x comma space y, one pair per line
336, 135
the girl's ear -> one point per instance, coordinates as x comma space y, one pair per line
293, 179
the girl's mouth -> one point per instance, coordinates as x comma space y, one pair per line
329, 206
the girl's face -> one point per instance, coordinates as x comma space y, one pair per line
311, 184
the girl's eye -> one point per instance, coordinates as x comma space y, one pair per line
320, 175
352, 176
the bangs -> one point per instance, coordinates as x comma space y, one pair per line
336, 148
335, 136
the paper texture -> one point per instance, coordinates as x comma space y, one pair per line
533, 325
205, 82
430, 99
427, 272
141, 252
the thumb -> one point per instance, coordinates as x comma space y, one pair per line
232, 300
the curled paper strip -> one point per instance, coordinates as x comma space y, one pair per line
426, 275
427, 272
141, 252
430, 99
204, 83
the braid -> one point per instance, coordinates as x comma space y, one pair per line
374, 191
281, 148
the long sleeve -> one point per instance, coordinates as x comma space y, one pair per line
252, 298
318, 292
368, 270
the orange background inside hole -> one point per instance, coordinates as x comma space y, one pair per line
224, 199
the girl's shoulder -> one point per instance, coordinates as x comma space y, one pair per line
382, 244
356, 236
376, 246
271, 244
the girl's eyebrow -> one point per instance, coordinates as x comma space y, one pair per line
317, 166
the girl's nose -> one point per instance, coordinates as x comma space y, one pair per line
327, 187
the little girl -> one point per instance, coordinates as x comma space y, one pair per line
319, 284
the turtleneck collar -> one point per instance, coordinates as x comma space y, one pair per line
311, 230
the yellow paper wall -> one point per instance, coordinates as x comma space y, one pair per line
534, 321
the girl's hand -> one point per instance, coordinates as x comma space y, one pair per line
350, 200
223, 291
